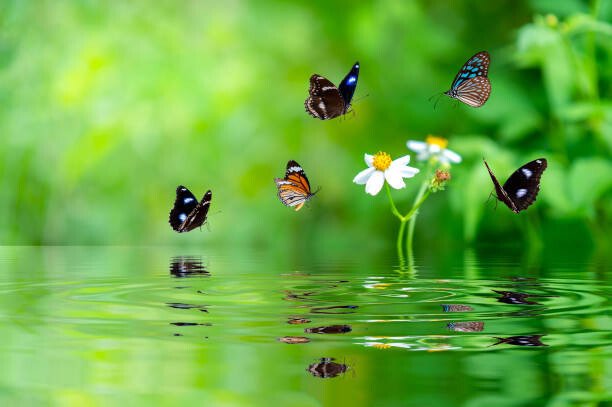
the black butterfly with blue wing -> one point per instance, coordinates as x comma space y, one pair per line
471, 85
521, 189
187, 213
325, 100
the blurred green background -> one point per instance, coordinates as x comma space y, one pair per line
107, 106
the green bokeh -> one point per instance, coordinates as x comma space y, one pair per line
105, 107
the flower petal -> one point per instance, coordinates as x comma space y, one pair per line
375, 183
400, 162
369, 159
363, 176
417, 146
394, 178
434, 149
409, 172
452, 156
423, 156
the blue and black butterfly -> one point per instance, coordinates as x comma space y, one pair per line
471, 85
325, 100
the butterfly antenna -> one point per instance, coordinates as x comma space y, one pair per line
349, 366
362, 97
439, 95
499, 340
437, 100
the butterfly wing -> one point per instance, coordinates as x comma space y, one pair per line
294, 189
471, 85
184, 204
187, 214
474, 92
500, 192
324, 100
198, 216
523, 185
477, 65
348, 85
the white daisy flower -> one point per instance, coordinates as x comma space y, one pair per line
434, 146
381, 168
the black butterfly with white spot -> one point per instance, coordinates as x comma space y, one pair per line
187, 213
521, 189
325, 100
521, 340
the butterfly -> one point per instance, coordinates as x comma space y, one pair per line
471, 85
294, 189
521, 340
472, 326
325, 100
187, 214
187, 266
326, 368
521, 189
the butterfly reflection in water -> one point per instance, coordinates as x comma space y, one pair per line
521, 189
187, 213
325, 100
187, 266
294, 189
471, 85
326, 368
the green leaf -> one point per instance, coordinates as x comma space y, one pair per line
589, 179
554, 190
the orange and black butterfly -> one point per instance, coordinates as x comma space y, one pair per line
294, 189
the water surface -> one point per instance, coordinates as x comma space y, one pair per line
119, 325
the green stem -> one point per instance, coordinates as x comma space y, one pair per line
400, 238
400, 233
412, 215
393, 207
422, 195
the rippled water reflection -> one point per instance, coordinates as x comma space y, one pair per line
92, 326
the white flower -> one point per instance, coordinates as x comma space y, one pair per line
434, 147
381, 168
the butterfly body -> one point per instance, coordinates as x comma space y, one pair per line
294, 189
471, 84
325, 100
522, 187
187, 213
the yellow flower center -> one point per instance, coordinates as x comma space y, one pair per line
382, 161
437, 141
381, 345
